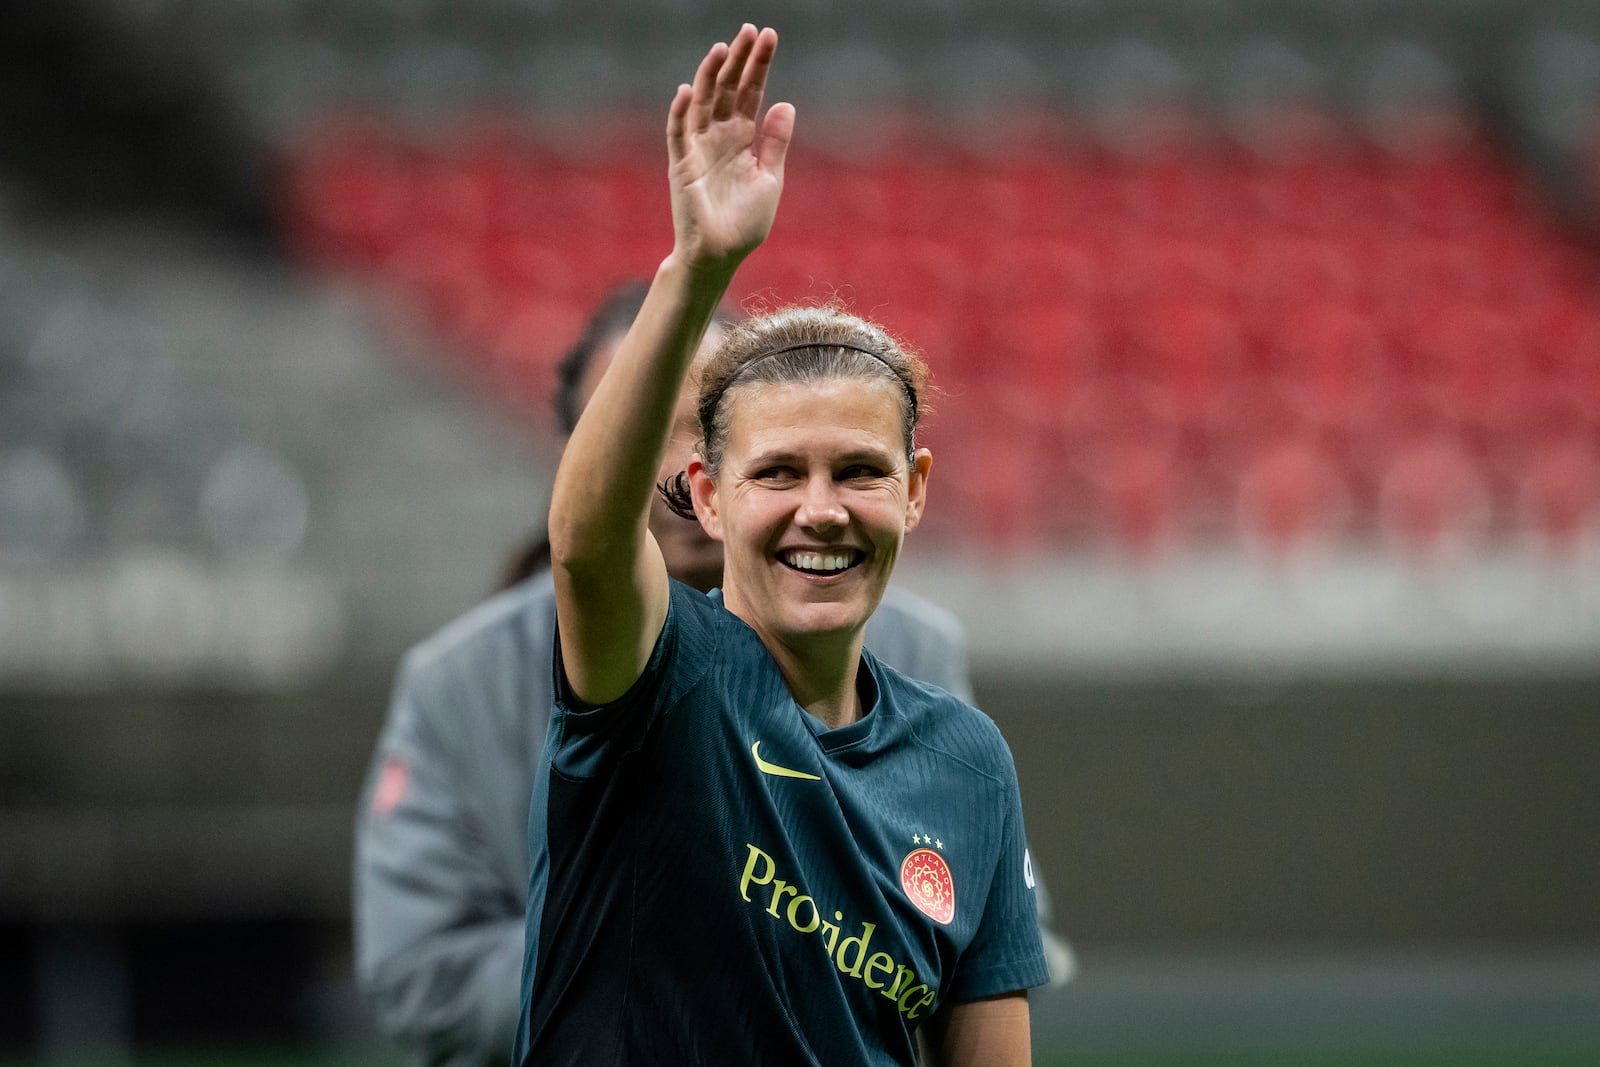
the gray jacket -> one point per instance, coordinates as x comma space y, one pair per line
441, 844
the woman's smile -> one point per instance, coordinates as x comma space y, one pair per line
824, 563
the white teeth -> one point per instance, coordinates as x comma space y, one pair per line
818, 561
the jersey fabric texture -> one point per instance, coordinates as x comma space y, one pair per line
717, 879
441, 834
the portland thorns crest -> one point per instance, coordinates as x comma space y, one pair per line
925, 877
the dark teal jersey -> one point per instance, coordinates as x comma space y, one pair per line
717, 879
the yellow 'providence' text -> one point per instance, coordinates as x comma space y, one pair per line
878, 970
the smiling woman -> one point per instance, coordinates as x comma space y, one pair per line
812, 500
820, 410
732, 780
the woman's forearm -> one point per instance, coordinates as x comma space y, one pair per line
603, 485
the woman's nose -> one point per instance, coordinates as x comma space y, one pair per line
821, 507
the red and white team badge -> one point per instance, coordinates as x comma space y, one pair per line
925, 877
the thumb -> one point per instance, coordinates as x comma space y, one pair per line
777, 130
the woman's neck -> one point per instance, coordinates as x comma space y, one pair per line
822, 676
834, 708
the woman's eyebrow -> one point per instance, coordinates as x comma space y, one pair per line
859, 454
770, 456
874, 456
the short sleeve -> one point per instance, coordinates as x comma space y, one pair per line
585, 740
1006, 954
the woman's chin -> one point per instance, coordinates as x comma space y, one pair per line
818, 621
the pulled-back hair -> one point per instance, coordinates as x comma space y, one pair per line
798, 344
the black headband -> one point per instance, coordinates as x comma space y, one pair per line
911, 394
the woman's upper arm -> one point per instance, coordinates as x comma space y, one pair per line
609, 623
992, 1032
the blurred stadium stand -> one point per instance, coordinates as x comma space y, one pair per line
1269, 342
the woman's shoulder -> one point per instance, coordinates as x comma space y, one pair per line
945, 723
702, 629
690, 609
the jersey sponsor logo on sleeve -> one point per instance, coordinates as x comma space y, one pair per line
773, 768
925, 877
852, 955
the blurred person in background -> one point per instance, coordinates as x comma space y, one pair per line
441, 856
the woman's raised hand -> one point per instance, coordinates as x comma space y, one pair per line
726, 157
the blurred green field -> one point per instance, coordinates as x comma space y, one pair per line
289, 1058
1354, 1059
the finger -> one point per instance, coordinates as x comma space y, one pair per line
678, 121
777, 130
705, 84
731, 75
753, 85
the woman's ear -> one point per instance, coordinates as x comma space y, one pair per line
703, 491
917, 487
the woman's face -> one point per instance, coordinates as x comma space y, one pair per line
813, 501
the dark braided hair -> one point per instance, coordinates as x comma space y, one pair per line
798, 344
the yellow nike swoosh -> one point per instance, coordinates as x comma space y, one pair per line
782, 772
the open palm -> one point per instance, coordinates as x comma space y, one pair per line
725, 157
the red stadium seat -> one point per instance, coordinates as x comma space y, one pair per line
442, 273
350, 195
448, 196
1279, 271
886, 272
1110, 412
1458, 192
1434, 501
1035, 271
1565, 352
1326, 193
1559, 492
1292, 497
520, 266
1175, 269
992, 468
530, 338
1330, 363
1046, 353
1471, 364
1194, 352
1141, 498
